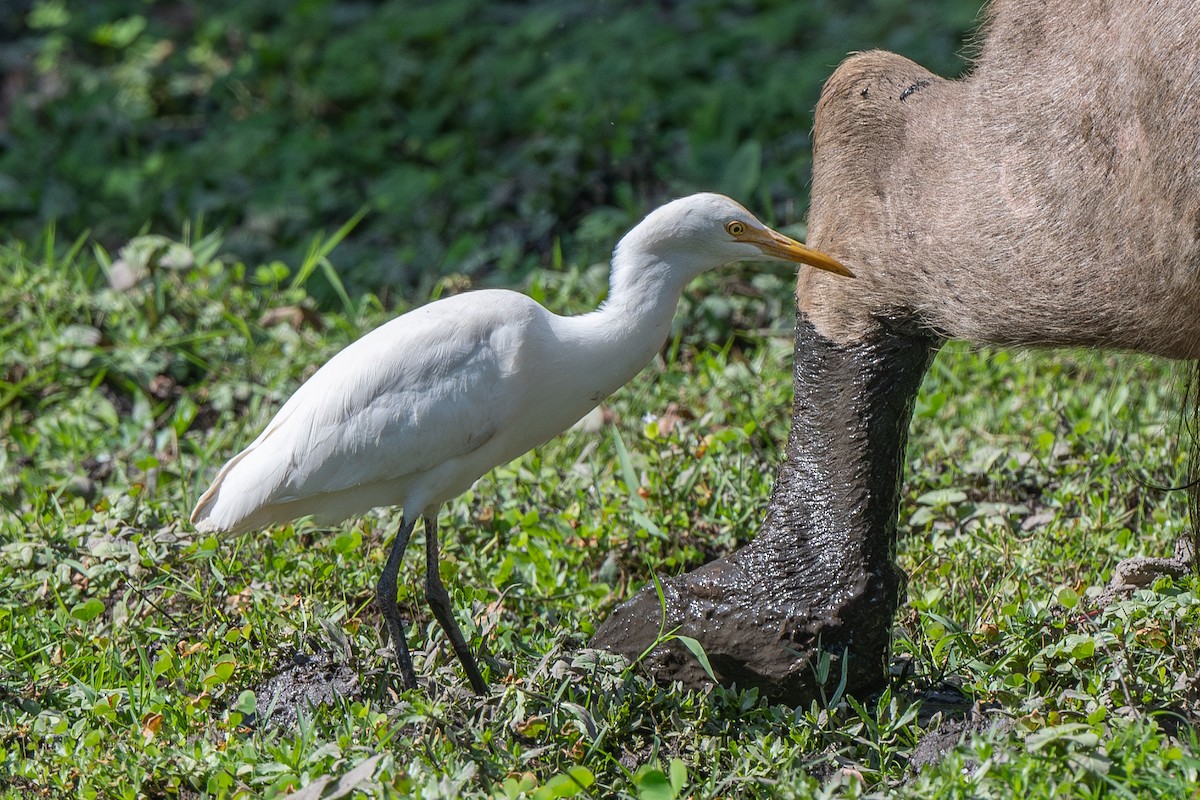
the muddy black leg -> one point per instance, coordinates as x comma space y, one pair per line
820, 578
385, 598
439, 603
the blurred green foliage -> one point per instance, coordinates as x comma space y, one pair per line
487, 137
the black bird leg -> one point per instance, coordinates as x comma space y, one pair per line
439, 603
385, 598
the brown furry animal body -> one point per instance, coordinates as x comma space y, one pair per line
1051, 197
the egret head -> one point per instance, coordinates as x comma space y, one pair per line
706, 230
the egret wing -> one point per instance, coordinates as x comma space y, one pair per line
428, 387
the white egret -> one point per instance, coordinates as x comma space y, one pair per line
418, 409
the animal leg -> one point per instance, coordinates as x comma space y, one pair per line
385, 598
819, 581
439, 603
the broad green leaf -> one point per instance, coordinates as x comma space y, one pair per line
652, 784
678, 774
87, 610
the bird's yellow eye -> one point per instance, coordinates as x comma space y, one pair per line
735, 228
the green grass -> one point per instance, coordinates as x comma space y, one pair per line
130, 646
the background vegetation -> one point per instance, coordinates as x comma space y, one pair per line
138, 659
487, 137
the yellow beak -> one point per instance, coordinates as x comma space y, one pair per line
776, 245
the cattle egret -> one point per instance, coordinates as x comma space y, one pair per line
418, 409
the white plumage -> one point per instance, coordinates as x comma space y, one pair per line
418, 409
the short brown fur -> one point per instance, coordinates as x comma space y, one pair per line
1051, 197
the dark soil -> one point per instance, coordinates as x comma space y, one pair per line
935, 744
303, 683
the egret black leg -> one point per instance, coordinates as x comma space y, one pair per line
385, 598
439, 603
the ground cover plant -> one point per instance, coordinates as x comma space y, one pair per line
140, 659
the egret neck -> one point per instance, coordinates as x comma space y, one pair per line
631, 325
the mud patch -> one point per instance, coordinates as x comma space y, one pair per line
945, 697
303, 683
935, 744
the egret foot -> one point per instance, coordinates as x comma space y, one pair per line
497, 665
